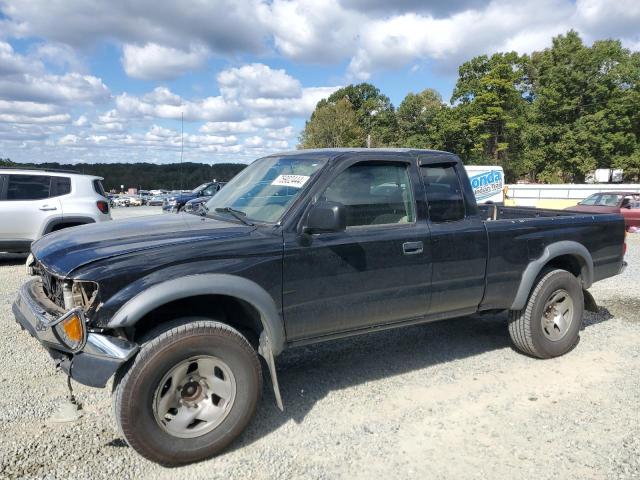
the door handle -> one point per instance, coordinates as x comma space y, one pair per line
412, 248
46, 208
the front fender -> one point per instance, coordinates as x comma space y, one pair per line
205, 284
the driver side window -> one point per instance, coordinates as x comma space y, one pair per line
374, 194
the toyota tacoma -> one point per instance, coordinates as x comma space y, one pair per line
298, 248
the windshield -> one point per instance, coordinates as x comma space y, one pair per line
266, 188
199, 187
603, 200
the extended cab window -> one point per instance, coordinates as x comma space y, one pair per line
28, 187
444, 192
373, 194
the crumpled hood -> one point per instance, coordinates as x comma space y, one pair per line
64, 251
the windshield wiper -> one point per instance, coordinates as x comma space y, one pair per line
239, 214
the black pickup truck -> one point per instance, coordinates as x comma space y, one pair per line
298, 248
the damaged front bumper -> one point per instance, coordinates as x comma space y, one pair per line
94, 364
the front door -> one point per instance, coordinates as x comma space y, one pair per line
375, 272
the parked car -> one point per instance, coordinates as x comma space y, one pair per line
626, 203
176, 202
193, 206
35, 202
298, 248
156, 200
135, 201
121, 201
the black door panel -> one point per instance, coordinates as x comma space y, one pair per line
349, 280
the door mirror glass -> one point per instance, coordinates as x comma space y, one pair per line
326, 217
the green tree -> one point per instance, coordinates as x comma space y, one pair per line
492, 96
585, 110
416, 118
333, 125
374, 112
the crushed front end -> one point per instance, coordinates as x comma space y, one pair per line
57, 312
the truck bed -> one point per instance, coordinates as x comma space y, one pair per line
519, 235
501, 212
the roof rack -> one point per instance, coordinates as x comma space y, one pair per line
54, 170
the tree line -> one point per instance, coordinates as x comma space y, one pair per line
551, 116
146, 176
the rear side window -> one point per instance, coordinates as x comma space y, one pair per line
60, 186
28, 187
99, 189
444, 193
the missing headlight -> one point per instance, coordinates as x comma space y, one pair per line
84, 294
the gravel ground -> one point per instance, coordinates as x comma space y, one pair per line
444, 400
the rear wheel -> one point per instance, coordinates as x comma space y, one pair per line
549, 324
189, 393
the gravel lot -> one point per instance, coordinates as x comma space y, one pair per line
445, 400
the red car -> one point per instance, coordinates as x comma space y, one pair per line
626, 203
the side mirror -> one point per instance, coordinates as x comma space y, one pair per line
326, 217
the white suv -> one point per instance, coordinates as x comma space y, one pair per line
36, 202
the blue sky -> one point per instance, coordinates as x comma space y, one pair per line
85, 81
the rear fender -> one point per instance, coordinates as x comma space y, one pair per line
565, 247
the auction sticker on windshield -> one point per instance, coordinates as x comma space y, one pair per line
296, 181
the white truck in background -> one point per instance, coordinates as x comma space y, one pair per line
487, 182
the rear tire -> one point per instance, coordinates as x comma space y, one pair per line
549, 324
202, 366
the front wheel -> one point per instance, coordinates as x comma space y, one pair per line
189, 393
549, 324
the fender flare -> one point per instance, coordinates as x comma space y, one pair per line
54, 222
557, 249
206, 284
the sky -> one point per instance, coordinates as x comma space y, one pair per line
110, 81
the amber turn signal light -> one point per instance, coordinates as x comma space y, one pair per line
72, 327
71, 331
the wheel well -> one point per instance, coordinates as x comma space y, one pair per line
226, 309
61, 226
570, 263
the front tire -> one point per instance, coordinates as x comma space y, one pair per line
189, 393
549, 324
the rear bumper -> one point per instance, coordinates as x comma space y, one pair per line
98, 360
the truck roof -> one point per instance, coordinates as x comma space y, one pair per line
331, 153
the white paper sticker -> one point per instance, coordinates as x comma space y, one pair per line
295, 181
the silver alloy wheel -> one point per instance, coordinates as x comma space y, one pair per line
557, 315
194, 397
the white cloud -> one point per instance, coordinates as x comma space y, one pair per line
258, 80
156, 62
81, 121
253, 142
301, 106
213, 109
243, 126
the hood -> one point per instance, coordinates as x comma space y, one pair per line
66, 250
183, 197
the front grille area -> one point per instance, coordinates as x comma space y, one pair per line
51, 285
